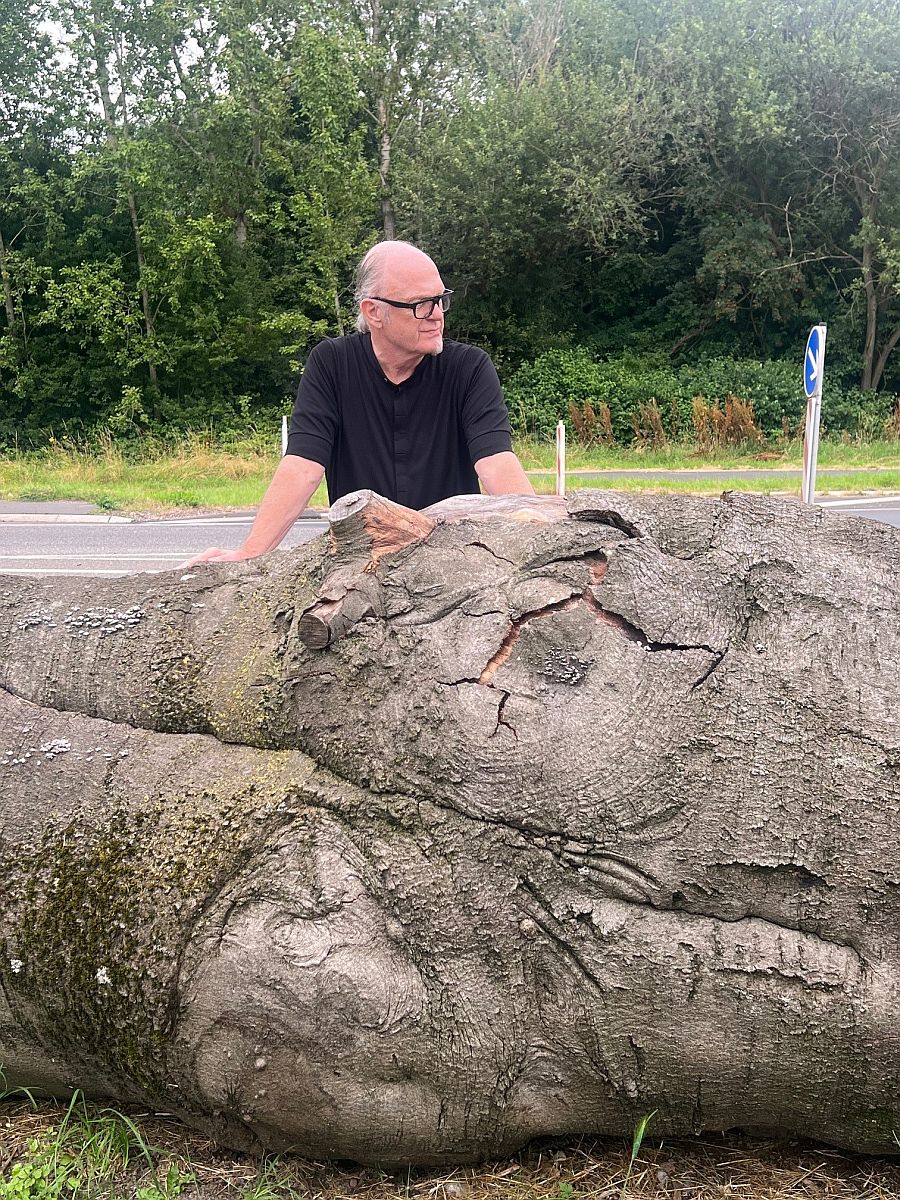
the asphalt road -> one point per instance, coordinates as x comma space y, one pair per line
80, 546
73, 540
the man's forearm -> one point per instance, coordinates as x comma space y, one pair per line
502, 475
286, 497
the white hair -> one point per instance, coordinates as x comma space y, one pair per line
369, 275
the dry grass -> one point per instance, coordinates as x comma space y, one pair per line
714, 1166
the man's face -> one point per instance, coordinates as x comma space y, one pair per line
409, 278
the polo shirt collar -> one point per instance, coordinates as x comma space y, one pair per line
374, 365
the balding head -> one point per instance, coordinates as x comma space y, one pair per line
383, 269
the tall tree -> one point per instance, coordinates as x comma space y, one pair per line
787, 128
417, 54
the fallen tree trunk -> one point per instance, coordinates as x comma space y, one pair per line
454, 829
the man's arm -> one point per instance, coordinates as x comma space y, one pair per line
286, 497
502, 475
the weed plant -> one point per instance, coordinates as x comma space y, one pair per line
85, 1150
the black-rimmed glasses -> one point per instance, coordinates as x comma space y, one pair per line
420, 309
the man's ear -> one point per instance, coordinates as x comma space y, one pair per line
373, 312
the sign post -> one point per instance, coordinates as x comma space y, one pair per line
813, 370
561, 458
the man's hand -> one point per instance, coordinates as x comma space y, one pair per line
214, 554
502, 475
288, 494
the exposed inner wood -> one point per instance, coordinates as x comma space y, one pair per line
364, 523
543, 509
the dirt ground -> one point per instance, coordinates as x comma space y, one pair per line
181, 1164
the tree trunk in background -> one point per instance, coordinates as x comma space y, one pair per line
388, 218
581, 811
101, 49
8, 304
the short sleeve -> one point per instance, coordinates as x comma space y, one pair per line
485, 420
314, 421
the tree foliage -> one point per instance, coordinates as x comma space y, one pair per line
184, 189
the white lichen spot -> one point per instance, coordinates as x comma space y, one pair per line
260, 1064
103, 621
57, 746
185, 578
48, 751
16, 965
37, 616
102, 976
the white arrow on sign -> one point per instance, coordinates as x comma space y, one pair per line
813, 364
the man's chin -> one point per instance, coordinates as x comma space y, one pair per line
435, 349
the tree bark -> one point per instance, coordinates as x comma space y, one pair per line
590, 811
383, 122
8, 303
887, 349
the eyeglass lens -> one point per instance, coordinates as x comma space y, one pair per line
425, 308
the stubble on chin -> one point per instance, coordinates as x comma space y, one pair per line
436, 348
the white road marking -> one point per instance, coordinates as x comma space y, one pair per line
65, 571
860, 502
90, 557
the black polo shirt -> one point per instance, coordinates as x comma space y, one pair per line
414, 442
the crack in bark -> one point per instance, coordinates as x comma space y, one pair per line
499, 557
543, 923
718, 658
500, 721
598, 559
512, 636
632, 632
608, 516
504, 696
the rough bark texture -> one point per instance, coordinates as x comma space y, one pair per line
591, 810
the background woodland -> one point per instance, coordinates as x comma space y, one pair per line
642, 204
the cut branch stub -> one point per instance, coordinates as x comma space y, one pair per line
329, 619
366, 524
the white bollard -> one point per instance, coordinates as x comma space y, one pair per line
561, 458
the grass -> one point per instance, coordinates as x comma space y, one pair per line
49, 1152
197, 472
79, 1150
680, 456
194, 472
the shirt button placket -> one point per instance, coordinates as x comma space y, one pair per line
401, 444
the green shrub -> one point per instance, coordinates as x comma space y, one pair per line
540, 393
545, 391
863, 415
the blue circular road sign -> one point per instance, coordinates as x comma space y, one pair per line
812, 362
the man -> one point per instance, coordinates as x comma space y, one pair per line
393, 407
